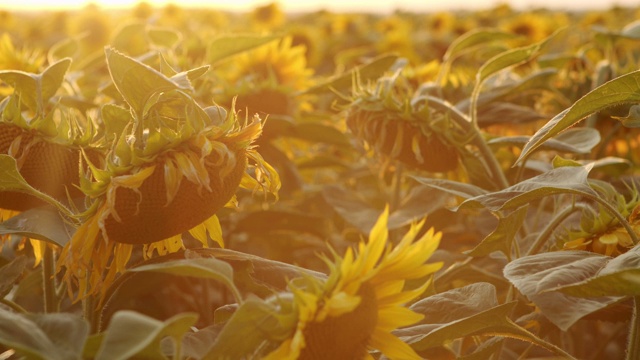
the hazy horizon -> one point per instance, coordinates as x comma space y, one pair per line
334, 5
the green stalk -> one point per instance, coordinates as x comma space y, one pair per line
543, 237
495, 171
49, 281
633, 345
15, 307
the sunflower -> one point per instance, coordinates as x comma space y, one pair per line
363, 299
383, 118
600, 232
267, 79
268, 16
169, 170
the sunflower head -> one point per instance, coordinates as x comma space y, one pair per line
600, 232
362, 301
171, 166
394, 128
44, 138
268, 16
266, 80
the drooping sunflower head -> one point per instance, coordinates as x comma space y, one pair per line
601, 232
356, 308
42, 136
171, 166
266, 80
387, 122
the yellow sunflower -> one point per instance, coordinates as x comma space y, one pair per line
170, 168
363, 300
600, 232
267, 79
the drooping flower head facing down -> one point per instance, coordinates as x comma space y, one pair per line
171, 166
382, 117
363, 300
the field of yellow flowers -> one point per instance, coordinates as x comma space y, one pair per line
182, 183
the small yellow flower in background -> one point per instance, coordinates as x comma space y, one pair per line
268, 16
267, 80
363, 300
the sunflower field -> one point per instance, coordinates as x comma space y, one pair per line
180, 183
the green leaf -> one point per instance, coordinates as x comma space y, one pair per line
535, 275
564, 180
133, 335
226, 46
510, 58
135, 81
502, 238
11, 273
35, 90
115, 119
44, 336
473, 38
621, 90
455, 188
257, 222
575, 140
67, 47
166, 38
42, 223
494, 321
235, 342
420, 202
620, 276
320, 133
12, 180
205, 268
632, 120
369, 71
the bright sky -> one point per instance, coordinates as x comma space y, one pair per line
335, 5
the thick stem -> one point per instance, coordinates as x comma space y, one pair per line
633, 345
495, 171
49, 281
543, 237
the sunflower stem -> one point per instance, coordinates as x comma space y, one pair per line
49, 281
543, 237
468, 127
15, 307
633, 345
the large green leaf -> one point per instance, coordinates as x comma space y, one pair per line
225, 46
133, 335
564, 180
135, 81
420, 202
463, 190
35, 90
576, 141
493, 321
369, 71
620, 276
43, 223
621, 90
473, 38
535, 275
44, 336
502, 238
206, 268
510, 58
252, 324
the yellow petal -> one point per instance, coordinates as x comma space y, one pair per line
392, 347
